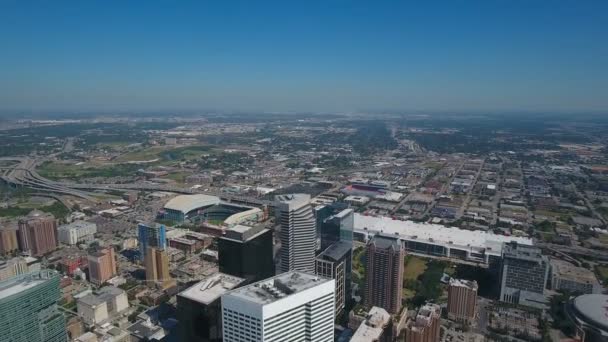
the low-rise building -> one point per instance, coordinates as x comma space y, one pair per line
567, 277
102, 306
77, 232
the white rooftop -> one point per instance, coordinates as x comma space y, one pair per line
187, 203
372, 327
211, 288
278, 287
435, 233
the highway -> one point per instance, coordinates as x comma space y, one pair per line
23, 173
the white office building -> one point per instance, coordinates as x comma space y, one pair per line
292, 306
298, 233
76, 232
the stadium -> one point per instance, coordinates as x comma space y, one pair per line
210, 209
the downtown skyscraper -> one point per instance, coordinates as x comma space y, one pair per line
298, 232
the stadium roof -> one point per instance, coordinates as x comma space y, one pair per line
187, 203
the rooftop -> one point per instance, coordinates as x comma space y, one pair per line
293, 201
187, 203
211, 288
594, 307
470, 284
15, 285
383, 241
278, 287
566, 270
425, 232
372, 328
336, 251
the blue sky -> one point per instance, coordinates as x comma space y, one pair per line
327, 55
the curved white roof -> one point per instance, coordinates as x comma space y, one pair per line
594, 307
187, 203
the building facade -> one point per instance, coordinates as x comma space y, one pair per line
102, 265
462, 300
247, 252
157, 268
335, 262
38, 233
98, 308
151, 235
298, 233
77, 232
524, 274
292, 306
13, 267
567, 277
425, 325
338, 227
384, 280
28, 308
9, 243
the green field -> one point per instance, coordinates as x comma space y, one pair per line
57, 209
58, 171
414, 267
602, 272
165, 154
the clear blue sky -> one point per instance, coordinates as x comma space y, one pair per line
304, 55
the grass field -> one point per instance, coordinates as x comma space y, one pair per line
165, 153
602, 272
58, 171
414, 267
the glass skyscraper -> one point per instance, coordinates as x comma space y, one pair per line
150, 235
28, 308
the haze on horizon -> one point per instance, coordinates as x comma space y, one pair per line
309, 56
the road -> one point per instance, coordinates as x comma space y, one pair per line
23, 173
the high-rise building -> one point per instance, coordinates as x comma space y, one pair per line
375, 328
199, 309
38, 233
292, 306
462, 300
335, 262
151, 235
524, 275
338, 227
28, 308
102, 265
9, 243
298, 233
425, 326
246, 252
384, 279
157, 268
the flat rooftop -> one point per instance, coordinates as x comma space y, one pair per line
211, 288
18, 284
436, 234
372, 328
470, 284
278, 287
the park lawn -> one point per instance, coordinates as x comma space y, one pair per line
603, 273
414, 267
408, 293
